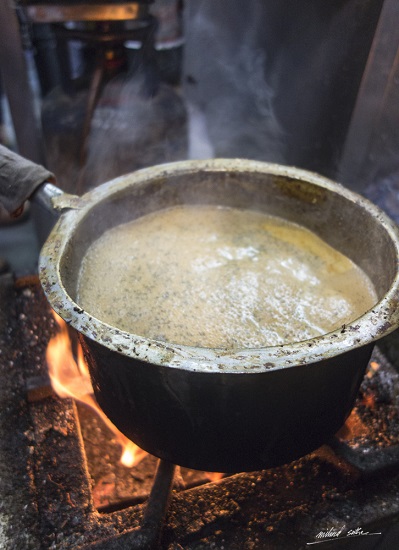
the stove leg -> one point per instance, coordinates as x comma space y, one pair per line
148, 535
150, 531
157, 505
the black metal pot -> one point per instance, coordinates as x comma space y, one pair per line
216, 409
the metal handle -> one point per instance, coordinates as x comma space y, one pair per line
20, 179
44, 195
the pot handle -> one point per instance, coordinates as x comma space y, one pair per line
20, 179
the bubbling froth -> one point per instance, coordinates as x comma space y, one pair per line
220, 277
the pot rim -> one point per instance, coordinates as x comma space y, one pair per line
375, 323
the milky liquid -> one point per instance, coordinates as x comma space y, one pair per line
220, 277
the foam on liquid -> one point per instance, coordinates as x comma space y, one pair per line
220, 277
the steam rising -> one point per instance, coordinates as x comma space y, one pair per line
136, 124
227, 80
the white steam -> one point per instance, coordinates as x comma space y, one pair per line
225, 78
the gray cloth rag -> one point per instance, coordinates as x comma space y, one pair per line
19, 178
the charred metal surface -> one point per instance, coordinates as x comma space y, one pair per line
301, 191
151, 527
38, 388
19, 527
371, 463
46, 487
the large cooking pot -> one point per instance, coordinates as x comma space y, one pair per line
217, 409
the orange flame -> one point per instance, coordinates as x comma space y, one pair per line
214, 476
70, 378
372, 369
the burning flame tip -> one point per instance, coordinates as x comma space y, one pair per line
71, 378
132, 454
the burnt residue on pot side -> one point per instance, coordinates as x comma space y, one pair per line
301, 190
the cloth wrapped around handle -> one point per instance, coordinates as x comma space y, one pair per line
19, 178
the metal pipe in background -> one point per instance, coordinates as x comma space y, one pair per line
17, 88
370, 151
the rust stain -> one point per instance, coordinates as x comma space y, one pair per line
301, 190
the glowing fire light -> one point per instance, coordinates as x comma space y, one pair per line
372, 369
214, 476
70, 378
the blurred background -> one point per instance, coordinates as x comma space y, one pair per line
95, 89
